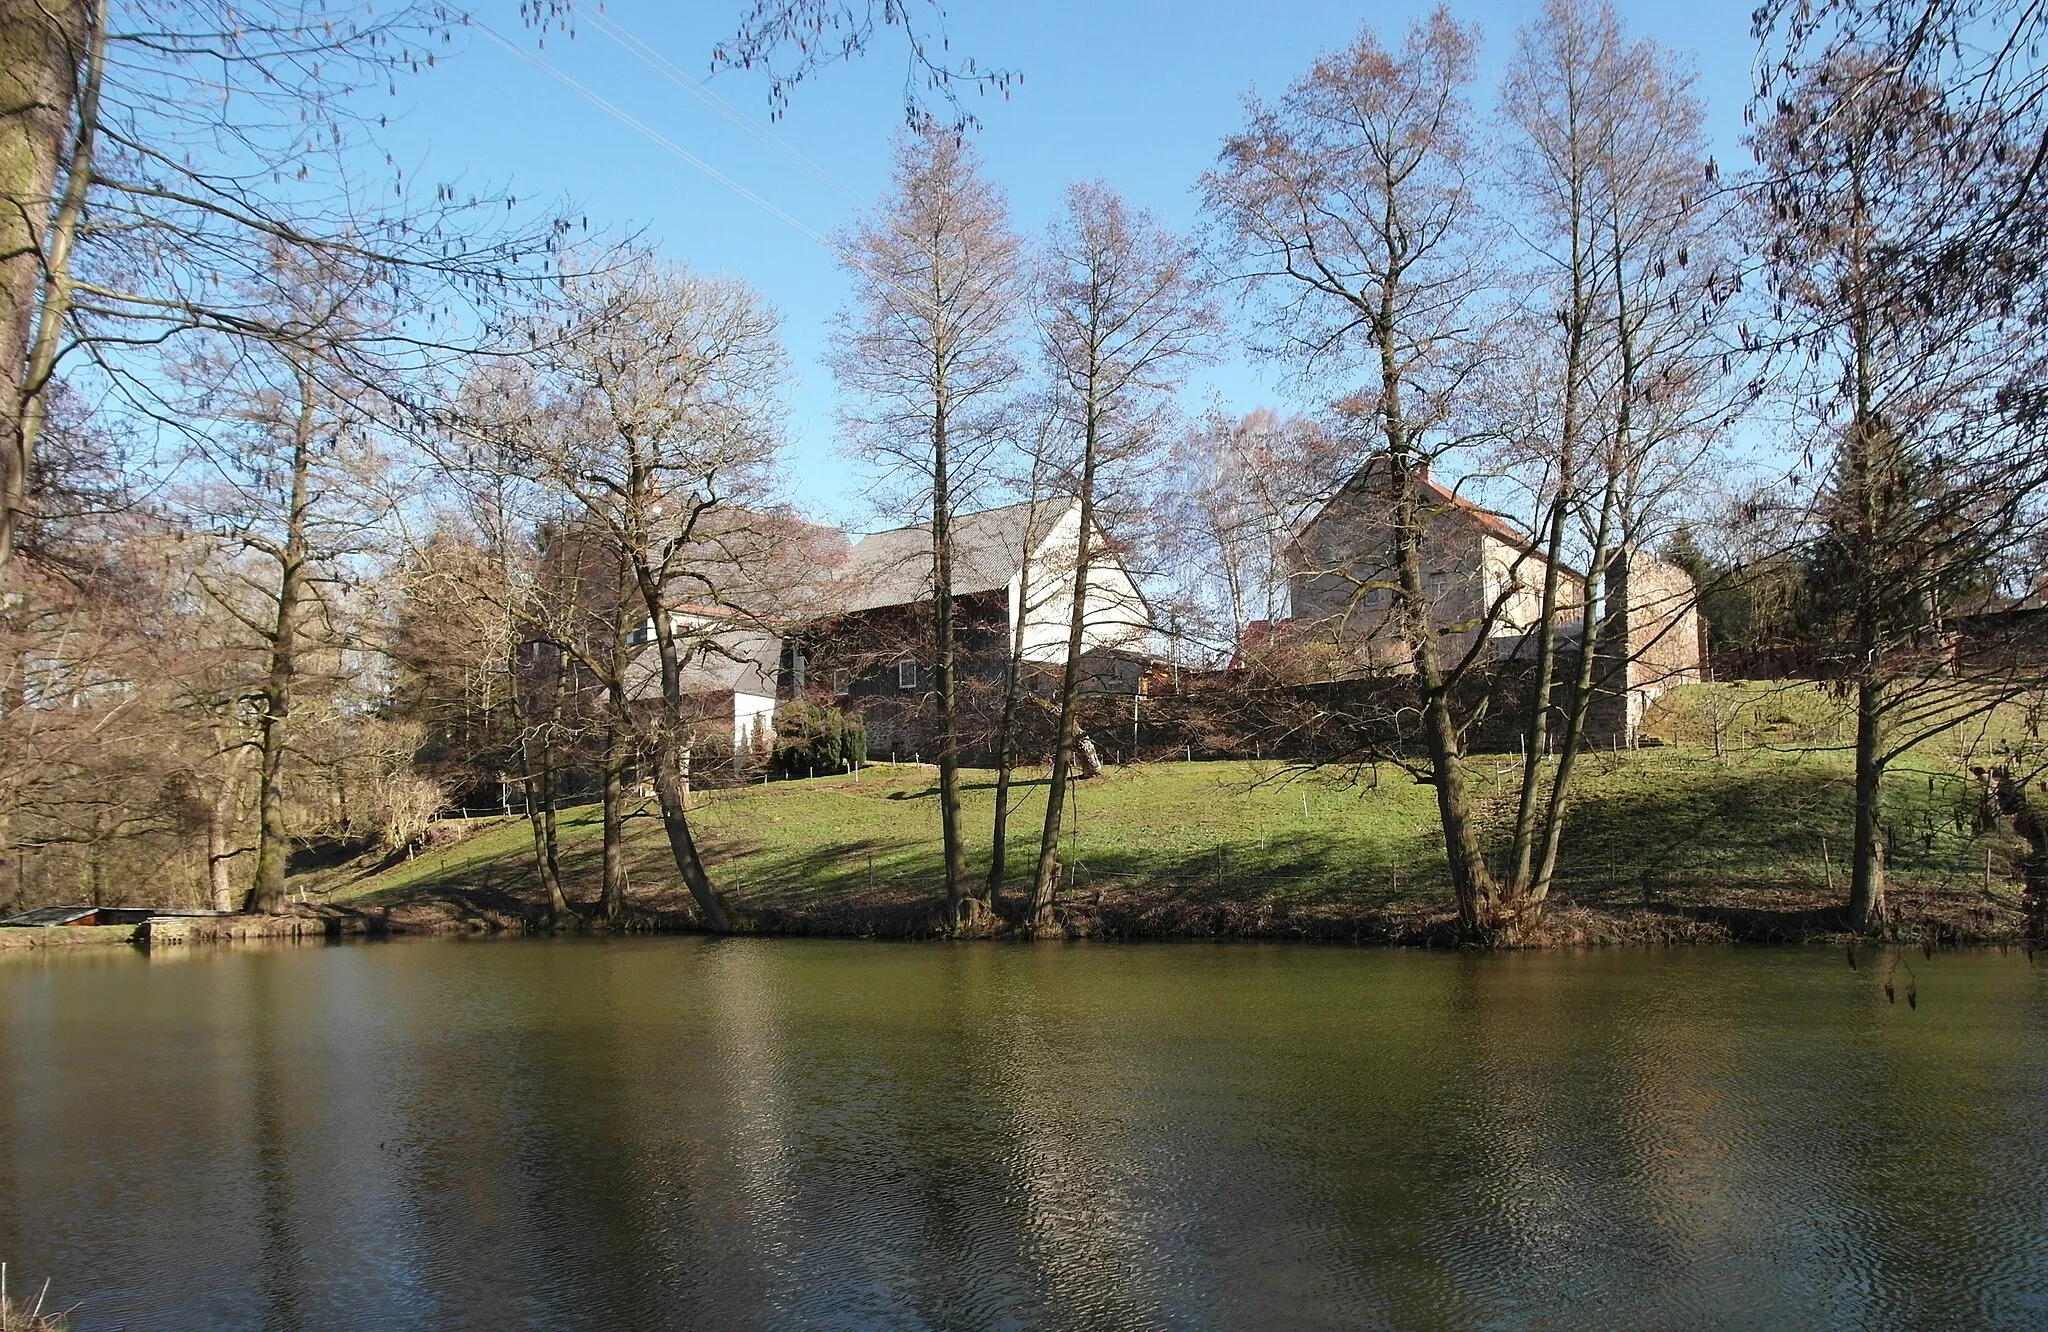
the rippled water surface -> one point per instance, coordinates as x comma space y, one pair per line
773, 1133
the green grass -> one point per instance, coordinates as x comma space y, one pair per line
1806, 716
1762, 829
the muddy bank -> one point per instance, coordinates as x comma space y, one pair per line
1930, 919
1934, 920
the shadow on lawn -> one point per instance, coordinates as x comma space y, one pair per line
927, 792
1310, 871
1718, 830
1676, 852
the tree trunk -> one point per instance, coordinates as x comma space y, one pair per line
1865, 433
96, 860
612, 900
1472, 885
675, 821
1533, 892
1523, 888
618, 744
1006, 733
42, 49
1536, 725
1866, 872
668, 775
962, 909
540, 820
540, 813
220, 820
1045, 884
1531, 886
267, 893
2017, 802
221, 889
538, 779
55, 305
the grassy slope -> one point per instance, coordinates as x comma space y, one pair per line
1673, 832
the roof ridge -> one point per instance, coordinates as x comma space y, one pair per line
974, 513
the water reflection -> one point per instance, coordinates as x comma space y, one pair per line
680, 1133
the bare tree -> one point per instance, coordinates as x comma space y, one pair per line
151, 150
1348, 210
1619, 384
789, 40
926, 353
466, 636
1912, 387
51, 58
123, 746
1037, 484
1235, 491
287, 465
654, 409
172, 150
1121, 318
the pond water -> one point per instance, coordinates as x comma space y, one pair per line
779, 1133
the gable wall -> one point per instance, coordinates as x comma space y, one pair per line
1114, 615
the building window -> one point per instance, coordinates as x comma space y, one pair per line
1378, 598
906, 674
1439, 584
643, 634
842, 681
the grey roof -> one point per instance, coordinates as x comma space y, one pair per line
745, 661
894, 568
770, 563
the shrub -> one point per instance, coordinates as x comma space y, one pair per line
812, 738
404, 806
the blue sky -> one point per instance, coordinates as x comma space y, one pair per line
1140, 94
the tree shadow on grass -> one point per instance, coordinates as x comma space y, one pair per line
1763, 856
1707, 831
493, 896
928, 792
1309, 872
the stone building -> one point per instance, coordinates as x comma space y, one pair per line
1483, 578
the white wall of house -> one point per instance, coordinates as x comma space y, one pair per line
1113, 615
745, 708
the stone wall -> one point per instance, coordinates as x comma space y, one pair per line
1650, 643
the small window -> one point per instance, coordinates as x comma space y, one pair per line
643, 634
1439, 584
906, 674
842, 681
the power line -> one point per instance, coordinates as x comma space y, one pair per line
662, 141
696, 87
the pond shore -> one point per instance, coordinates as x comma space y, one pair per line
1920, 921
1141, 917
1666, 846
169, 931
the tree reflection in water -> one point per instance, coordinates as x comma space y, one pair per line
673, 1132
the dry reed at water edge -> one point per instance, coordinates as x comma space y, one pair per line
16, 1316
